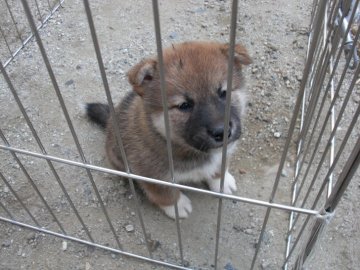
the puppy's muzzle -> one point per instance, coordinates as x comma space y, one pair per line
217, 132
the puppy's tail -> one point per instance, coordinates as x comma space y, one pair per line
98, 113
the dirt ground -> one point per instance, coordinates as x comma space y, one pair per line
274, 33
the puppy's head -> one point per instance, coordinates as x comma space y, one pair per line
195, 82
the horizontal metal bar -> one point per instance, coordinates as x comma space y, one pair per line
164, 183
71, 238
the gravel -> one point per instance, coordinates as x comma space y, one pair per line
275, 33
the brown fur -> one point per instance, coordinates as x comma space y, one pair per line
191, 68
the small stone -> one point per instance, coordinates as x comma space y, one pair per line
6, 243
31, 236
173, 35
129, 228
284, 173
242, 171
249, 231
356, 99
237, 228
229, 266
64, 245
272, 46
122, 190
199, 10
87, 266
153, 244
69, 82
265, 265
277, 134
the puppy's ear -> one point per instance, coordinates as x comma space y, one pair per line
141, 74
241, 56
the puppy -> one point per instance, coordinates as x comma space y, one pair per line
195, 79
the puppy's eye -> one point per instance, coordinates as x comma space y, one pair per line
186, 106
221, 93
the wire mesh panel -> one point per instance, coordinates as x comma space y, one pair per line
15, 32
324, 149
53, 172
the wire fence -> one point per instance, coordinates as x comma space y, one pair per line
323, 166
17, 33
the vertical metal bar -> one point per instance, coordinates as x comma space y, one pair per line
331, 135
234, 11
6, 210
331, 169
19, 199
326, 43
166, 113
314, 75
115, 121
318, 78
6, 43
67, 117
38, 9
352, 125
338, 154
332, 126
42, 148
317, 25
328, 114
49, 5
31, 181
301, 143
345, 177
13, 20
342, 183
334, 47
341, 112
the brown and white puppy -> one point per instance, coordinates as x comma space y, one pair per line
195, 78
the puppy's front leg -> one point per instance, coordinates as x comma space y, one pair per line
166, 197
229, 183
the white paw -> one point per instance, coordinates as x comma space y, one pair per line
184, 207
229, 184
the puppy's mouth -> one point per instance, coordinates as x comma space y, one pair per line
208, 139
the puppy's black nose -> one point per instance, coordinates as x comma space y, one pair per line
217, 132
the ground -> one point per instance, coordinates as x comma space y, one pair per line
275, 33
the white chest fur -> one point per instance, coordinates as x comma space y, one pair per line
205, 171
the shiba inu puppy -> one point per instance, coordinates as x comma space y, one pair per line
195, 79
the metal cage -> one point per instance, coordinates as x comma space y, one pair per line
326, 157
